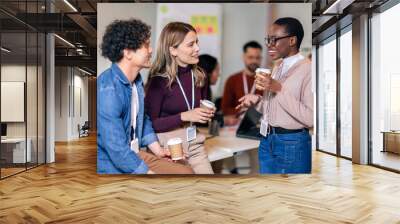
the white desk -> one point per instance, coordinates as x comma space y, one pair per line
227, 144
18, 149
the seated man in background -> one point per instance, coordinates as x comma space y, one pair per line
123, 126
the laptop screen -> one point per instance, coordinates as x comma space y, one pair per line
250, 125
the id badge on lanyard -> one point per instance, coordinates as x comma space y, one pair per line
264, 128
191, 133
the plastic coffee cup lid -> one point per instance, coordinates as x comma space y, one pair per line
174, 141
263, 70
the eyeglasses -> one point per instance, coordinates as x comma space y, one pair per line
272, 40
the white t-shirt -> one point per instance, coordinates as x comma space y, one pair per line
134, 109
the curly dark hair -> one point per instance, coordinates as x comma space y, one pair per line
123, 34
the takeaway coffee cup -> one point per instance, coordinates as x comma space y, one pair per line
175, 148
263, 72
206, 104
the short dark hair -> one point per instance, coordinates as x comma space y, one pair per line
207, 63
293, 27
123, 34
251, 44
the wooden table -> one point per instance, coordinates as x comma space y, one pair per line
226, 144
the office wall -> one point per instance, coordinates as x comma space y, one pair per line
92, 103
108, 12
15, 72
235, 32
80, 109
33, 126
71, 102
241, 23
62, 82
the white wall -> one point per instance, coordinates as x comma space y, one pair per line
61, 103
16, 72
242, 22
67, 81
80, 83
237, 31
108, 12
33, 126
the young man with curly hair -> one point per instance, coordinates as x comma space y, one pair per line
123, 127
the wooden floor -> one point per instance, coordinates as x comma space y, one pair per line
5, 172
70, 191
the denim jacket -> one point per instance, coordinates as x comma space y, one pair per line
114, 94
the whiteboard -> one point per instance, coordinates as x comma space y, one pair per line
205, 18
12, 101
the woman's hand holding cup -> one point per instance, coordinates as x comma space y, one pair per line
263, 78
264, 81
210, 106
200, 115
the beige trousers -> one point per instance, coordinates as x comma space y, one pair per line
197, 156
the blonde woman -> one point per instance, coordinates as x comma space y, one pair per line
176, 86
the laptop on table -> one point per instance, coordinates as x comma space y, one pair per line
250, 125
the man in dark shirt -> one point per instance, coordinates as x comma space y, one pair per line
241, 83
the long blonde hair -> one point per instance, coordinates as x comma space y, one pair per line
165, 64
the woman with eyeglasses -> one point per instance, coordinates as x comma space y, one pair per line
174, 91
287, 103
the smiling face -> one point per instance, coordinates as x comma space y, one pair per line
141, 57
187, 52
280, 48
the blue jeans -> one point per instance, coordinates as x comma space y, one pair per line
285, 153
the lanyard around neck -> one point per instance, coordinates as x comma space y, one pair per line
245, 85
184, 94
